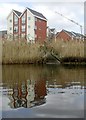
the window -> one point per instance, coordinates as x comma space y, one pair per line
28, 26
15, 20
23, 18
72, 37
23, 35
10, 28
29, 18
35, 19
39, 37
35, 36
39, 28
35, 27
23, 28
39, 20
10, 20
15, 29
15, 36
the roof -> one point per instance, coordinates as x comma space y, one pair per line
17, 12
53, 29
70, 33
78, 34
36, 13
74, 34
57, 33
3, 32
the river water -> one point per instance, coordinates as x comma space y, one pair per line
42, 91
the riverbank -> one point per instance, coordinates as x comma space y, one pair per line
21, 52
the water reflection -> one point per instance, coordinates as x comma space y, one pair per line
31, 86
27, 94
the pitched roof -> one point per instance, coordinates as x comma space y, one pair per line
70, 33
17, 12
36, 13
78, 34
52, 30
74, 34
3, 32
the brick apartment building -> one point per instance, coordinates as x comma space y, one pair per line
30, 25
67, 35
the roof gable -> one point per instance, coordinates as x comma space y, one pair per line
14, 11
69, 33
17, 12
37, 13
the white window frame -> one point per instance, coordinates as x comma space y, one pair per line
23, 28
15, 19
39, 20
29, 26
10, 21
35, 19
35, 27
29, 18
15, 29
10, 28
23, 19
35, 35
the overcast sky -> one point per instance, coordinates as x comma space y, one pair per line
72, 10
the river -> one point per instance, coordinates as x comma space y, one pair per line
42, 91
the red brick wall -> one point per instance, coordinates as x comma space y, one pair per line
64, 36
40, 88
41, 30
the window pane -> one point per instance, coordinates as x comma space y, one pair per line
15, 28
15, 20
35, 27
10, 20
35, 19
28, 26
10, 28
23, 28
23, 18
29, 18
23, 35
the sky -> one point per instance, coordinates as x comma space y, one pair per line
72, 10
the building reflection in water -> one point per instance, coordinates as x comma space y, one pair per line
28, 94
28, 86
32, 93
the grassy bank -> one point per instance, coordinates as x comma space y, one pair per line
22, 52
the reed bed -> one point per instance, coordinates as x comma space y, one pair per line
20, 52
71, 48
23, 52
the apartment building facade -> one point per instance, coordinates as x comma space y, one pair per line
30, 25
67, 35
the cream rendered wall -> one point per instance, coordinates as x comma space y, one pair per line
10, 24
30, 27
